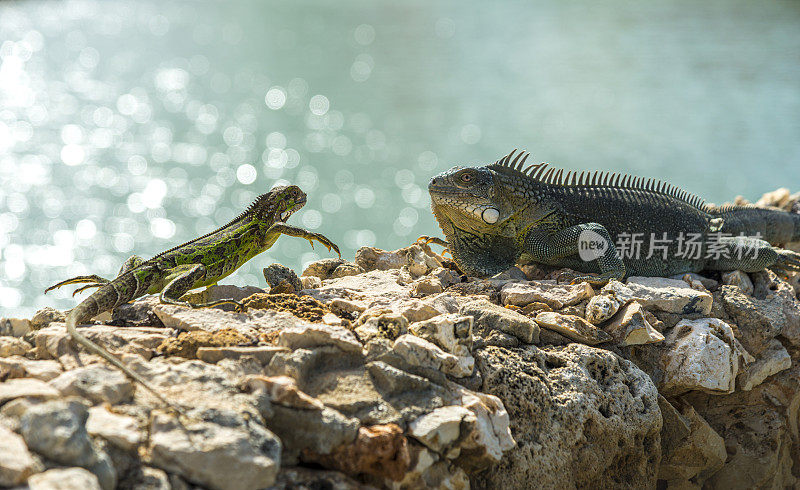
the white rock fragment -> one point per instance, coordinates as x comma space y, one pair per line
64, 479
556, 296
631, 327
490, 436
120, 430
451, 332
602, 307
701, 355
774, 359
16, 462
420, 352
441, 429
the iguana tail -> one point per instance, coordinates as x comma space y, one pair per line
106, 298
773, 225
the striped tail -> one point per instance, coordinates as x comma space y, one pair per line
776, 226
105, 299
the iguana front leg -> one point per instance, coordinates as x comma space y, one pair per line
548, 248
183, 278
284, 229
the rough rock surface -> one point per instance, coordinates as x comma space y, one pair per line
395, 371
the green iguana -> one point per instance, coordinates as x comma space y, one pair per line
199, 262
496, 215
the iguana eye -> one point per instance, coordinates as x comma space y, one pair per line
466, 178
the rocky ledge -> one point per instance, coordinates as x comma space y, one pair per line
395, 371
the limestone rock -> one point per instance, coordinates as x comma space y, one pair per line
430, 471
282, 390
427, 286
301, 478
370, 287
251, 322
378, 450
441, 429
763, 318
668, 295
696, 453
332, 269
14, 327
262, 353
282, 279
46, 316
311, 282
489, 316
371, 258
556, 296
138, 313
56, 430
387, 325
318, 335
54, 342
26, 387
602, 307
12, 346
631, 327
579, 412
693, 278
16, 462
64, 479
774, 359
451, 332
236, 455
486, 436
702, 355
419, 352
739, 279
120, 430
573, 327
20, 367
318, 431
97, 383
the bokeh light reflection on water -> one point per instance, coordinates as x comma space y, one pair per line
129, 127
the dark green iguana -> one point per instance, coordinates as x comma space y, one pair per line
494, 215
199, 262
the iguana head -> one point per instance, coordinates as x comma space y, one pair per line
470, 199
278, 204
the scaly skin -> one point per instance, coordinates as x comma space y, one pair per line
495, 215
199, 262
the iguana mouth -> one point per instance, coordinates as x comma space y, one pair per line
297, 206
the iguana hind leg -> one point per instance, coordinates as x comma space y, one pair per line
552, 248
94, 280
284, 229
183, 278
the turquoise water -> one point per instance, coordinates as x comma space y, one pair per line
131, 127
